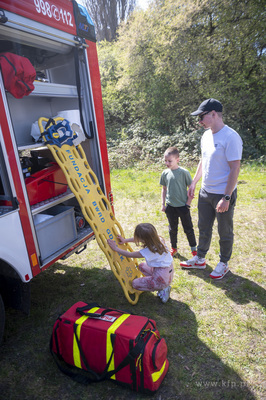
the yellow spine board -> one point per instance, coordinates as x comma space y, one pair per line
97, 211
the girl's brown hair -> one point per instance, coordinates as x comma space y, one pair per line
146, 234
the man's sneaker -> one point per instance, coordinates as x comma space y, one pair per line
195, 262
173, 252
220, 270
194, 252
160, 293
165, 294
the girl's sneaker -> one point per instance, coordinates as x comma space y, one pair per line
195, 262
220, 271
165, 294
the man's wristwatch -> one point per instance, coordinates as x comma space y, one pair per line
227, 197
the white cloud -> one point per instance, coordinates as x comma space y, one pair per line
143, 4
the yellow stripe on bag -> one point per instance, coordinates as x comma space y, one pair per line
109, 346
76, 352
156, 375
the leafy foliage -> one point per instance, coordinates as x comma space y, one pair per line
171, 57
139, 146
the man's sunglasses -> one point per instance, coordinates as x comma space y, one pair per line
202, 115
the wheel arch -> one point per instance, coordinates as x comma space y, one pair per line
15, 293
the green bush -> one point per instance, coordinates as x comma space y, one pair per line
136, 145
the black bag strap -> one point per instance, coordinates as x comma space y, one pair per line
82, 311
88, 305
67, 369
132, 355
72, 371
96, 377
93, 377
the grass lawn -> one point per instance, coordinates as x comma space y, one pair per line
214, 330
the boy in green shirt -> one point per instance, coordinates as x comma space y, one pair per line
175, 201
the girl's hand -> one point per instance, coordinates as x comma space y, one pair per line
112, 244
121, 239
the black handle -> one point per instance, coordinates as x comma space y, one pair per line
81, 311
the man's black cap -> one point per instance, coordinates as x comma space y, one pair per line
208, 105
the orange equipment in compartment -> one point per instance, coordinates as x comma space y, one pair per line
47, 183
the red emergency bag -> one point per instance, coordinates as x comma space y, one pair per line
18, 74
91, 344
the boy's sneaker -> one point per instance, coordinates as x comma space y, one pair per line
173, 252
220, 271
195, 262
194, 252
165, 294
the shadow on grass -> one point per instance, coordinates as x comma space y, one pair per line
28, 371
240, 290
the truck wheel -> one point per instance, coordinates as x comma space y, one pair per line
2, 318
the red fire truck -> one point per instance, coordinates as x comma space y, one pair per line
40, 218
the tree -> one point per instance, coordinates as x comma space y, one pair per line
180, 52
107, 15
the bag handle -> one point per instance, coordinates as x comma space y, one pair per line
81, 311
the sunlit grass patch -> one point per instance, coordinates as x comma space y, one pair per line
214, 329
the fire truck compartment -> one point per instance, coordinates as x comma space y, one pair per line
56, 230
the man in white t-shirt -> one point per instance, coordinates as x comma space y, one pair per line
221, 152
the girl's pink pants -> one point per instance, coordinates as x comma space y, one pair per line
157, 278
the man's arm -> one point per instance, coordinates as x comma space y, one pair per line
223, 204
191, 189
189, 199
233, 175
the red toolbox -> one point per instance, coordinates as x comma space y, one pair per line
47, 183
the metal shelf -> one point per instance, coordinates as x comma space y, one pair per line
32, 146
48, 89
44, 205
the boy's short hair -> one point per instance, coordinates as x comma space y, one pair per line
172, 151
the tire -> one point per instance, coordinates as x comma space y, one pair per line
2, 318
